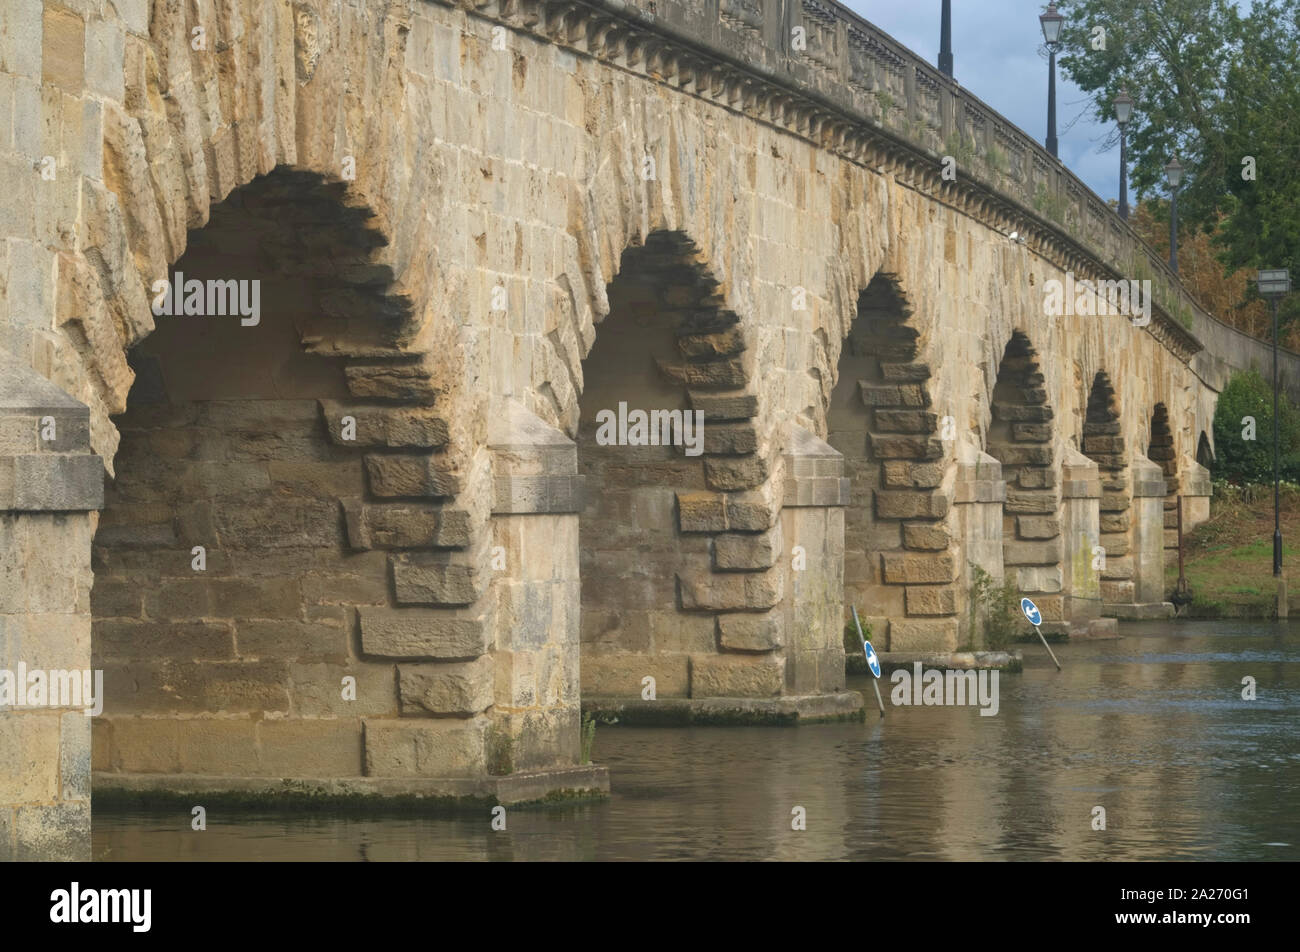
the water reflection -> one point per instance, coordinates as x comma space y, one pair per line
1152, 727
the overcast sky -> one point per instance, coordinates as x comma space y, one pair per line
995, 47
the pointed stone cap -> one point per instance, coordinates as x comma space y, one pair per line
534, 465
61, 474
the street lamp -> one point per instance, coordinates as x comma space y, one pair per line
1051, 22
945, 40
1174, 176
1273, 285
1123, 113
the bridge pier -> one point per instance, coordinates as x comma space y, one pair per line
51, 485
1083, 555
1148, 545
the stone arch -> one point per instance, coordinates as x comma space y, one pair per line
900, 568
192, 125
307, 454
1103, 443
1020, 437
1162, 451
683, 575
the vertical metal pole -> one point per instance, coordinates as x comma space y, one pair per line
1182, 582
1277, 518
945, 40
1173, 232
1051, 103
1123, 174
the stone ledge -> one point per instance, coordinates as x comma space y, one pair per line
51, 483
525, 495
367, 794
726, 711
891, 661
1149, 611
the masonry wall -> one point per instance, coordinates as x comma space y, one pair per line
236, 668
474, 169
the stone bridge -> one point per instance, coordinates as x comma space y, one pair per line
357, 531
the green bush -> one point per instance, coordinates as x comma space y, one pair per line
994, 609
1239, 460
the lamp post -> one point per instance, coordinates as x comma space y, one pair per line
1051, 22
1174, 176
945, 40
1123, 113
1272, 285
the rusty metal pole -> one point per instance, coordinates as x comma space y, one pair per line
1182, 582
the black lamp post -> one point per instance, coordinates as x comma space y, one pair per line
1051, 22
1123, 113
1174, 176
945, 40
1272, 285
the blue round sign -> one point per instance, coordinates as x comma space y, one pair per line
1031, 612
872, 661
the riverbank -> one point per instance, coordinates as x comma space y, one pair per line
1228, 561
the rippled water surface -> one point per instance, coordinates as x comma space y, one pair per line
1152, 727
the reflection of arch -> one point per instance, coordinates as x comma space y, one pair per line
223, 446
1104, 444
1162, 452
678, 581
897, 561
1204, 452
1020, 438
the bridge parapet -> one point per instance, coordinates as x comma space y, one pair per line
823, 72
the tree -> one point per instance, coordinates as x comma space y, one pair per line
1222, 91
1243, 432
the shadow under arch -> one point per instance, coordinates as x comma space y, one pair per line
1020, 437
899, 570
1103, 443
1204, 452
1162, 451
270, 476
681, 583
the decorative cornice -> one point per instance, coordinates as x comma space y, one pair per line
854, 90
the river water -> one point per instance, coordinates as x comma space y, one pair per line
1152, 727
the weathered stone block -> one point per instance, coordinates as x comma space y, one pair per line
905, 447
319, 747
734, 551
905, 421
903, 474
749, 632
457, 688
424, 633
410, 427
909, 567
1031, 501
727, 675
724, 406
411, 476
733, 591
910, 505
931, 600
926, 536
911, 634
1031, 553
63, 50
702, 512
438, 578
426, 747
1038, 527
622, 674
